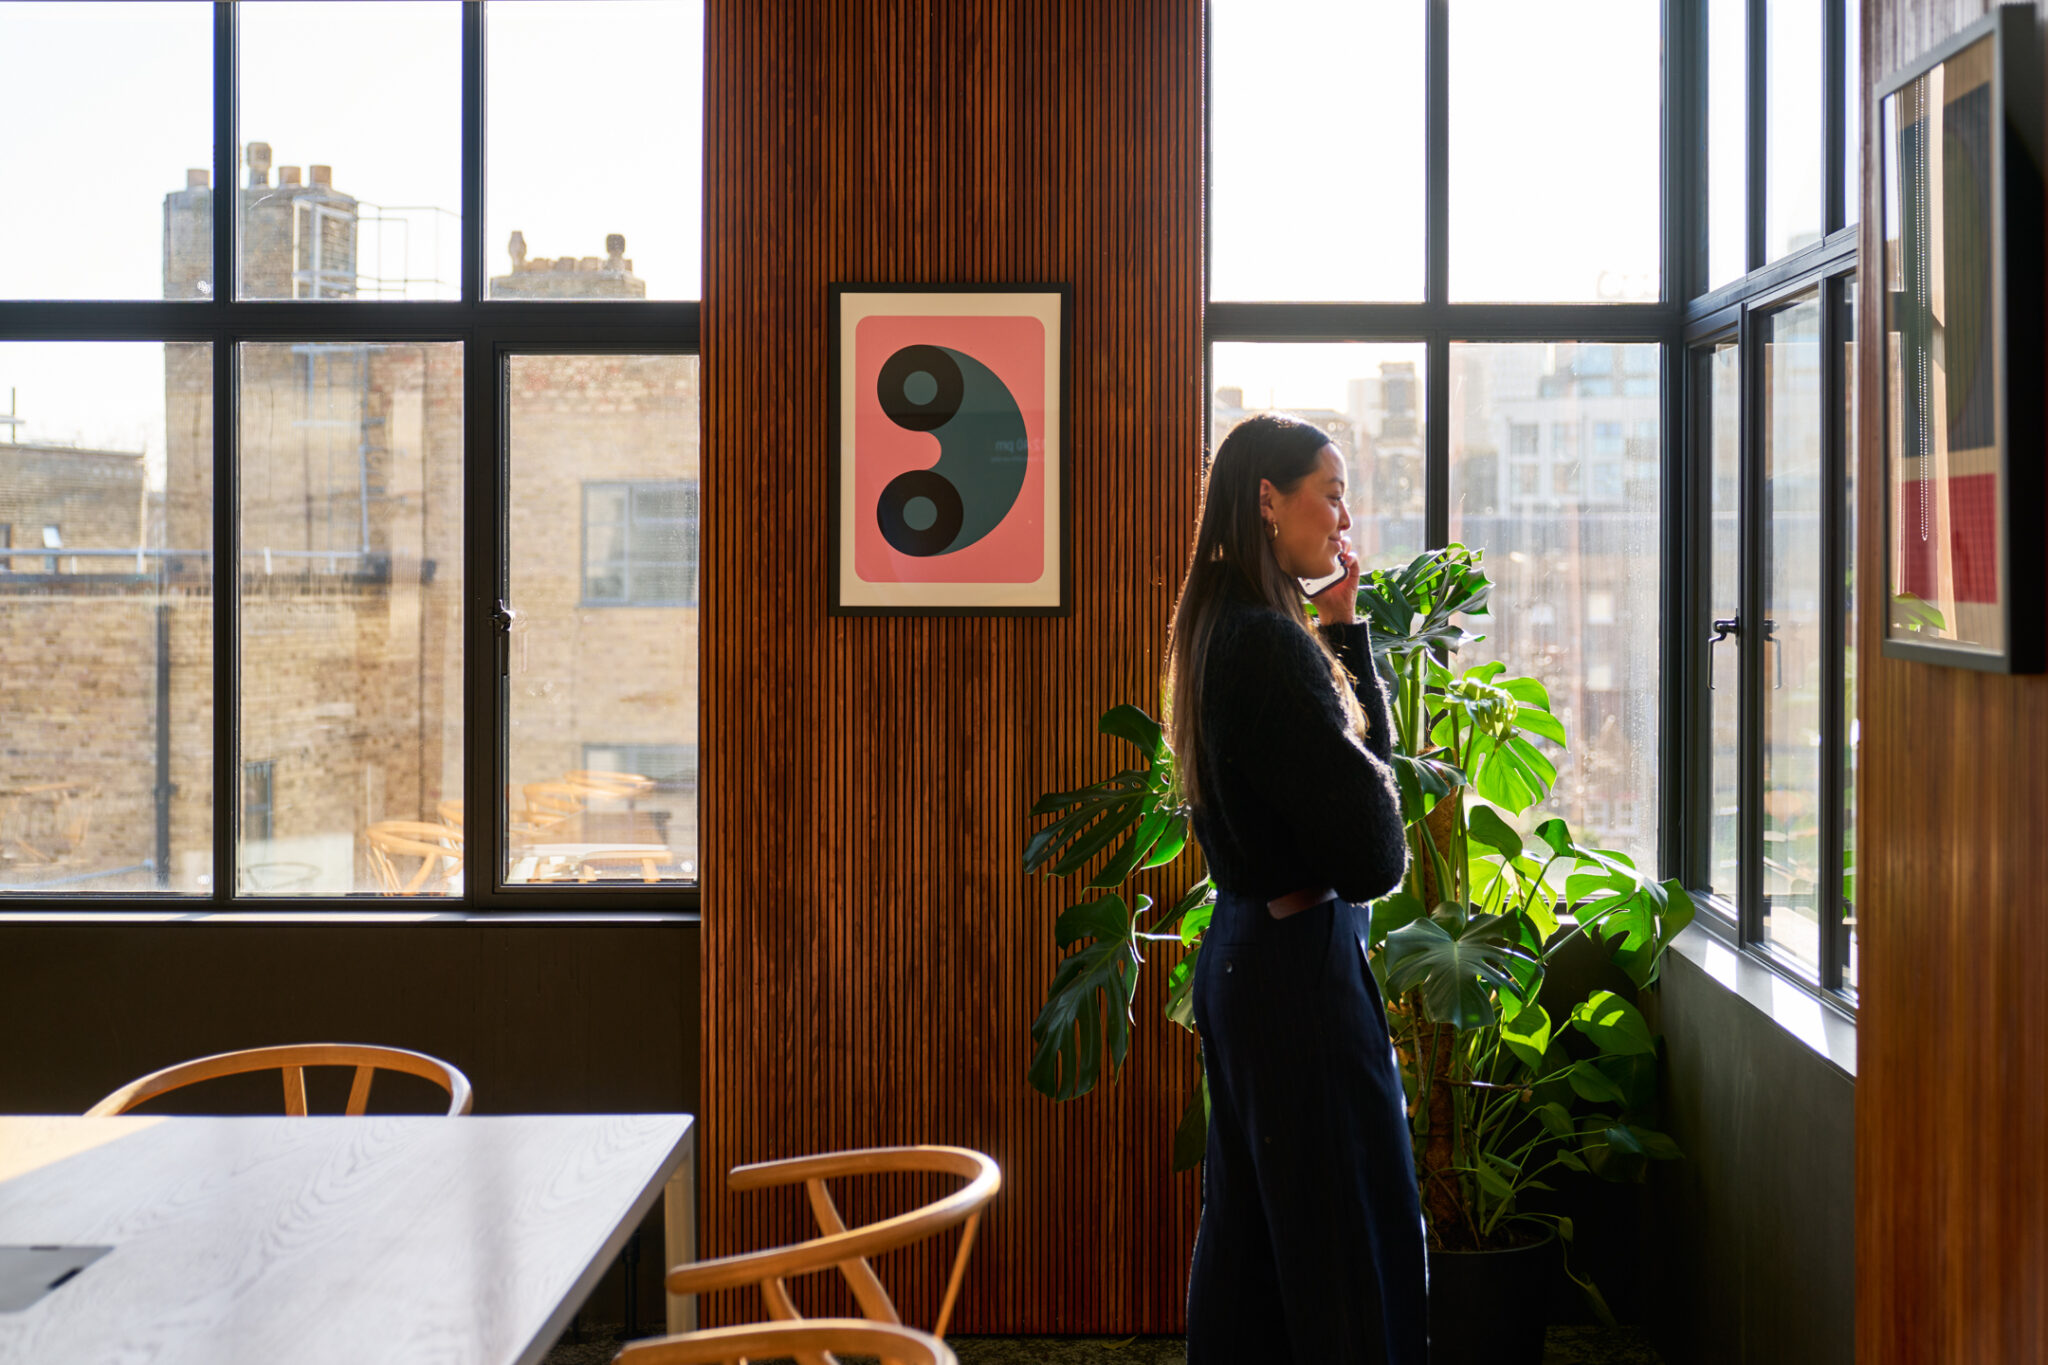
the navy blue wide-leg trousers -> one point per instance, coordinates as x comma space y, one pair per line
1311, 1246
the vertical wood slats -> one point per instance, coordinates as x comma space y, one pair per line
1952, 1229
872, 955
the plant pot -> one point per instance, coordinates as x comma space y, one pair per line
1490, 1307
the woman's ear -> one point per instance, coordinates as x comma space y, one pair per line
1266, 495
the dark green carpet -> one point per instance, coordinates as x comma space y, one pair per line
1565, 1346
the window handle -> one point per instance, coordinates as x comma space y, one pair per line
504, 618
1723, 628
1771, 638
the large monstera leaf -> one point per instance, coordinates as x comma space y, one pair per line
1637, 917
1088, 1005
1135, 806
1459, 960
1413, 607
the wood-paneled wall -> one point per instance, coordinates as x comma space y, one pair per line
1952, 1037
872, 954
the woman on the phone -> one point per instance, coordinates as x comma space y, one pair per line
1311, 1243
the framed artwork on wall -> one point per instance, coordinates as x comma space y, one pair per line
1966, 526
947, 447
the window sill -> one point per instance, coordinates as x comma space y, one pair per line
311, 916
1825, 1028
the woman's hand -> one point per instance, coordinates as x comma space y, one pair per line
1337, 604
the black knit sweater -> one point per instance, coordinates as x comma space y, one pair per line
1291, 800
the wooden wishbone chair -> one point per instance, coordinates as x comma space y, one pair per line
552, 803
604, 782
438, 847
766, 1341
645, 863
848, 1250
293, 1059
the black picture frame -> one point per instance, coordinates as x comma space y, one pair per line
851, 594
1966, 449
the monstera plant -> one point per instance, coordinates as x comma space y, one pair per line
1507, 1083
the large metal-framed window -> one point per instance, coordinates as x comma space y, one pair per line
1767, 692
1572, 458
487, 332
1694, 328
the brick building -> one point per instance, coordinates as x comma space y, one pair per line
87, 626
349, 467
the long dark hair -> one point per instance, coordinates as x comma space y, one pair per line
1233, 557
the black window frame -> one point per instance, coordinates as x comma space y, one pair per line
1827, 269
1439, 323
1686, 315
488, 331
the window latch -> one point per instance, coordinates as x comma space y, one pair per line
1723, 628
504, 618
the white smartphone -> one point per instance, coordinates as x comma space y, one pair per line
1311, 586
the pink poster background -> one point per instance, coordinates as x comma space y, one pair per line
1013, 347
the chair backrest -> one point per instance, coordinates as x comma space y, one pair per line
293, 1059
644, 863
46, 822
556, 800
450, 813
803, 1340
606, 783
394, 842
848, 1250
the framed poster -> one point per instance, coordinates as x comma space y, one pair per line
948, 449
1966, 540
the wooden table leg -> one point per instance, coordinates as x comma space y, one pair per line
679, 1221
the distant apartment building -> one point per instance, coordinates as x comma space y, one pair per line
1554, 473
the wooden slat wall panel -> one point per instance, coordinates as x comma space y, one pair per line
872, 955
1952, 1232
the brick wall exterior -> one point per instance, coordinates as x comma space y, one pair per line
590, 674
350, 471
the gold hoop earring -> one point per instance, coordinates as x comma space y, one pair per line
1272, 531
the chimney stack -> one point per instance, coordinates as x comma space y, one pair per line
287, 175
322, 176
197, 178
259, 165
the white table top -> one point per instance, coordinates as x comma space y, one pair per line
310, 1240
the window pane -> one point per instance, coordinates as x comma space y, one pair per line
601, 703
655, 505
106, 630
351, 116
1727, 146
1847, 360
1792, 636
1793, 174
1852, 113
594, 138
1574, 569
108, 112
1722, 439
1555, 150
1368, 396
605, 505
1317, 153
351, 633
